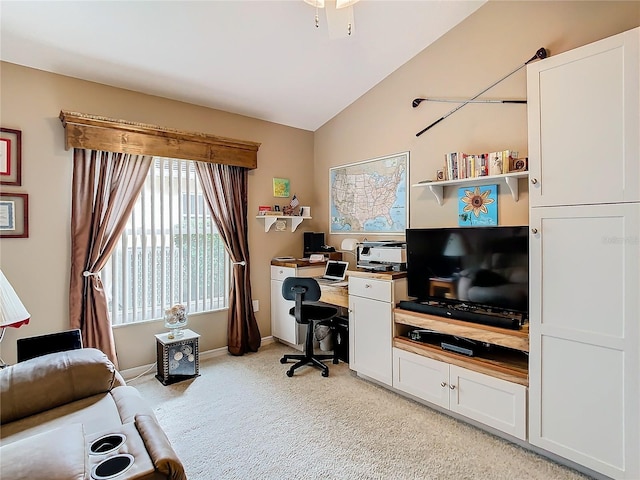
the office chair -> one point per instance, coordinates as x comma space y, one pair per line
303, 291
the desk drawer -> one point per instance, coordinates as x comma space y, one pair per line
280, 273
374, 289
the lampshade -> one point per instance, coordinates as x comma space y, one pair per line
456, 246
344, 3
315, 3
12, 312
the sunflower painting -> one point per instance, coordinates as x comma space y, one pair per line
478, 207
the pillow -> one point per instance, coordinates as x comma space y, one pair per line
488, 278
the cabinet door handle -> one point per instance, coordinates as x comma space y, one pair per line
366, 285
534, 181
443, 384
534, 230
452, 387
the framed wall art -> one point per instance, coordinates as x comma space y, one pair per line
10, 157
370, 196
14, 215
478, 207
281, 187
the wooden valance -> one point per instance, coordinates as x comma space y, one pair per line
99, 133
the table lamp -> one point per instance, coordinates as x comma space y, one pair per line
12, 311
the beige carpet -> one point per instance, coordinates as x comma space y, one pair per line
243, 418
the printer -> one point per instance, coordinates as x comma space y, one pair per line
383, 255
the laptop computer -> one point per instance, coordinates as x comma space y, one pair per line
334, 271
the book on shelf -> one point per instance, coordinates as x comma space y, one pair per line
460, 165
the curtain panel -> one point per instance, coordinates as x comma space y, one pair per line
104, 189
225, 190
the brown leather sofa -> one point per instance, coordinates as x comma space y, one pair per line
70, 416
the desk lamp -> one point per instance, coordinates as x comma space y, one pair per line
12, 312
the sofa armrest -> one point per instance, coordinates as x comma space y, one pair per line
159, 448
49, 381
58, 454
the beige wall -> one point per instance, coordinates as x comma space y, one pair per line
38, 267
495, 40
485, 47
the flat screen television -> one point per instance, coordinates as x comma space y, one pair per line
484, 267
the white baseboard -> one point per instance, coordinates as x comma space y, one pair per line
135, 372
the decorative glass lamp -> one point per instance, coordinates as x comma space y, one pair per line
175, 319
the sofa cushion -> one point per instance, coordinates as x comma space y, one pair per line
58, 454
49, 381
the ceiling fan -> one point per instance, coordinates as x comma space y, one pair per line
339, 15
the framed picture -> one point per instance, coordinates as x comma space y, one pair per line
14, 215
518, 164
478, 206
353, 188
281, 187
10, 157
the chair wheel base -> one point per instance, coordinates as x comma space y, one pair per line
283, 360
325, 373
289, 373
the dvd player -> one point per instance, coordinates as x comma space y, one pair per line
466, 314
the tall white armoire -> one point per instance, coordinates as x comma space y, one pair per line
584, 162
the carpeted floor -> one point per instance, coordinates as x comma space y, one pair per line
243, 418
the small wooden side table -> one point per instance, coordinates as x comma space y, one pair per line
177, 358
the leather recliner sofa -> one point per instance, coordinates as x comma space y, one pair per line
70, 416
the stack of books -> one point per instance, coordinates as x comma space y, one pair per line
458, 165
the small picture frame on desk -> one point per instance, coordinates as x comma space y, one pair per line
276, 208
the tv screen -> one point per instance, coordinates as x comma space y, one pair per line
479, 266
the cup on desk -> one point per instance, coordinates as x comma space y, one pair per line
305, 211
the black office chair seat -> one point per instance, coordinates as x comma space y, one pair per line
303, 291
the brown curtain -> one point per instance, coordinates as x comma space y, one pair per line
225, 188
104, 190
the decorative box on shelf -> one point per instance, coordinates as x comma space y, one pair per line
177, 358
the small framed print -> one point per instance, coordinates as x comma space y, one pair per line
10, 157
14, 215
281, 187
518, 164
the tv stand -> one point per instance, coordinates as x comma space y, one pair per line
489, 387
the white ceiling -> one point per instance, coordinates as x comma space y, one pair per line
264, 59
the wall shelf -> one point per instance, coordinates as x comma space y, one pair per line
270, 220
510, 179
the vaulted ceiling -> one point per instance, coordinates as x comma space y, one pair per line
263, 59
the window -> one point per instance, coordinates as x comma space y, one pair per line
170, 251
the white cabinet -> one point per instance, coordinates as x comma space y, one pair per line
283, 325
371, 323
488, 400
584, 335
585, 255
584, 124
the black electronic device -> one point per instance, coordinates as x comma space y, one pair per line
452, 343
31, 347
503, 318
452, 347
476, 274
313, 242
